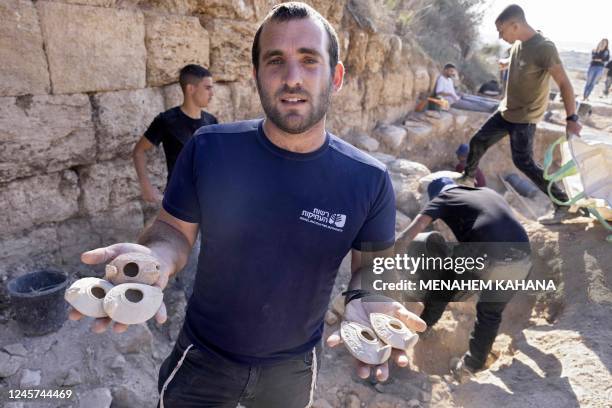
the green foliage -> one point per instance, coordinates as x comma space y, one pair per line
448, 32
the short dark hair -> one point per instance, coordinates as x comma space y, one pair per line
513, 11
296, 11
450, 65
192, 74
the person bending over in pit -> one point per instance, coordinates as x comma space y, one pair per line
483, 223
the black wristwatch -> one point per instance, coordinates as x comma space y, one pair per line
572, 118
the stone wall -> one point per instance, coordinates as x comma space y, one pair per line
80, 80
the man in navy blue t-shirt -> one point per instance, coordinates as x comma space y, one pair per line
279, 203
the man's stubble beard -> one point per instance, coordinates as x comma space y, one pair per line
318, 111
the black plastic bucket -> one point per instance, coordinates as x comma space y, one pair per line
37, 299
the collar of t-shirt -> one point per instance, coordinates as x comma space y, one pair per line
189, 118
279, 151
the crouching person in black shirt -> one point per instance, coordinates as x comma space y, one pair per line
483, 223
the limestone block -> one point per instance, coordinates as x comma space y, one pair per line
43, 134
36, 200
441, 122
230, 48
392, 113
24, 66
173, 42
421, 80
365, 142
93, 48
245, 100
108, 185
417, 132
231, 9
222, 105
173, 95
405, 177
123, 117
393, 88
392, 136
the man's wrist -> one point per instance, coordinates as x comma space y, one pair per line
354, 294
572, 118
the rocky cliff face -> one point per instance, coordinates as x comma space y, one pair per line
81, 80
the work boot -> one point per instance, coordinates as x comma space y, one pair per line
466, 180
557, 216
461, 371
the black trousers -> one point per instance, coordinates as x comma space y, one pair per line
489, 308
488, 319
191, 378
521, 144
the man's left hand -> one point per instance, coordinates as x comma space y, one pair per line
358, 311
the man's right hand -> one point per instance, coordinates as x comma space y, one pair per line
107, 254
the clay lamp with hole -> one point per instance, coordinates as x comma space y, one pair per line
87, 296
132, 303
393, 331
363, 344
133, 267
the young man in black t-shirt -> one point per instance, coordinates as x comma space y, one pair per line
483, 223
173, 128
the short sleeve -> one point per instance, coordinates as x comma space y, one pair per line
181, 195
155, 131
435, 209
378, 230
439, 86
548, 55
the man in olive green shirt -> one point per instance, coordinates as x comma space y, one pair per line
533, 60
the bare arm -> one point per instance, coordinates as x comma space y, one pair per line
171, 240
149, 192
417, 226
567, 93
